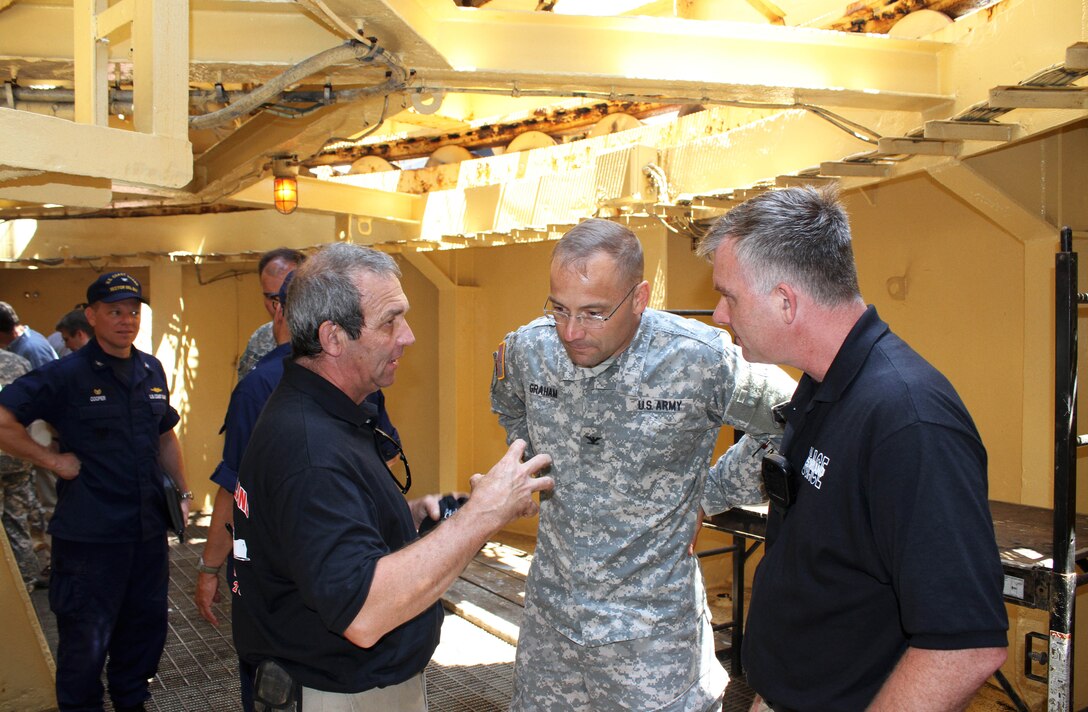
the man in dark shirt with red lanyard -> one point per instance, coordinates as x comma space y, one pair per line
110, 405
881, 586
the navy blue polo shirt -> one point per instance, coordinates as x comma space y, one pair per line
248, 399
114, 430
889, 543
315, 510
246, 402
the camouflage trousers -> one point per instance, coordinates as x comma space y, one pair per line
18, 504
45, 494
672, 672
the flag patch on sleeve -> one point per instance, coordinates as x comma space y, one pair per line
500, 362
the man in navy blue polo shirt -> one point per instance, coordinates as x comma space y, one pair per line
881, 586
246, 402
334, 584
109, 403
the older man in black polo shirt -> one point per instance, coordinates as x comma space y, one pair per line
333, 585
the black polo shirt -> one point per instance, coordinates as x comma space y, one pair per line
314, 511
889, 543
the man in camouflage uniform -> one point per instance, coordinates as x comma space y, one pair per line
629, 402
17, 501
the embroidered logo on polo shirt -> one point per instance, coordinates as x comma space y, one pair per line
815, 467
97, 396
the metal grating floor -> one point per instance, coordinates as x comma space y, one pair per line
472, 670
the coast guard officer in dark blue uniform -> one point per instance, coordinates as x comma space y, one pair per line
110, 404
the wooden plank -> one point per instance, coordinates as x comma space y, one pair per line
1025, 534
484, 609
490, 592
505, 558
506, 586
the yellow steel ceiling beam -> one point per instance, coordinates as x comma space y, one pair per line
243, 156
669, 56
327, 196
463, 47
224, 38
96, 151
405, 27
73, 191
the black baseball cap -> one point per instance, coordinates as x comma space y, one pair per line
113, 287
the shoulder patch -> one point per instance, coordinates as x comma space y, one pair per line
500, 361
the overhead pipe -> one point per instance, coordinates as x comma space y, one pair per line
242, 103
353, 49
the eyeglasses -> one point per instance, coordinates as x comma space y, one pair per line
386, 442
586, 321
274, 296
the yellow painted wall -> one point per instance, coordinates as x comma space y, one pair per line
950, 283
221, 306
511, 284
412, 401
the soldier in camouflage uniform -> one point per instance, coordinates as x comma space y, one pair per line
17, 501
629, 402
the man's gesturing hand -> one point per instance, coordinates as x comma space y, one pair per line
505, 492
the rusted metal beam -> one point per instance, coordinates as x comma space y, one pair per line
556, 121
878, 16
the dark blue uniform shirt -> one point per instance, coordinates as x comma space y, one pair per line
114, 430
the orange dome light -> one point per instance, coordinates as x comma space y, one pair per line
284, 187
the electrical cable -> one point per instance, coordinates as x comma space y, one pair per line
351, 50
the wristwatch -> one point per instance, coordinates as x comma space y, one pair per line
205, 569
187, 494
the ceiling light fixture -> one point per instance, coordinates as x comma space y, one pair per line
284, 186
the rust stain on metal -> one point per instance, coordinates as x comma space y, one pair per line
557, 121
878, 16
